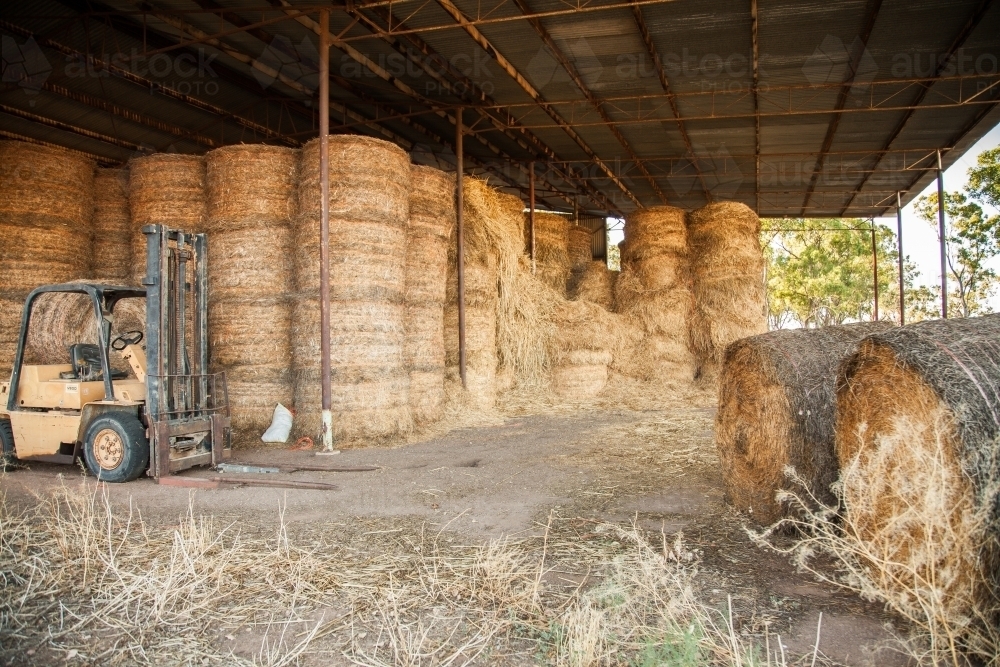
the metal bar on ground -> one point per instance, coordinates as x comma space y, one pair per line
460, 219
326, 429
875, 272
944, 246
899, 247
531, 214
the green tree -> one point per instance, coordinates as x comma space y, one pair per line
972, 238
984, 178
820, 273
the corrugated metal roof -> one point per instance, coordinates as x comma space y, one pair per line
900, 104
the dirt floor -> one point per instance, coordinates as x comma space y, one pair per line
531, 478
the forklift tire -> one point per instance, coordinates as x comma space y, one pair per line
115, 447
8, 458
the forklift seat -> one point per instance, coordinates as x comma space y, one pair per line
86, 361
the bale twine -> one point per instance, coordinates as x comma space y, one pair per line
552, 260
727, 269
164, 189
432, 218
46, 208
369, 209
112, 254
46, 180
917, 440
596, 284
777, 408
250, 182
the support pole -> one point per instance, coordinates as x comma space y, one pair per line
531, 214
944, 247
899, 244
326, 430
460, 219
875, 271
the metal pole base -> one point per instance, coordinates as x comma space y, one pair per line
326, 434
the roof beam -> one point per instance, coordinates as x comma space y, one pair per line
756, 101
69, 127
512, 71
871, 16
570, 68
647, 39
967, 28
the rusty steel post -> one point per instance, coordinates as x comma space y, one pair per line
531, 214
875, 272
899, 244
326, 430
944, 247
460, 220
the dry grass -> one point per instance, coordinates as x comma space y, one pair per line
87, 580
595, 282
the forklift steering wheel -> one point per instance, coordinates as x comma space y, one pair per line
123, 340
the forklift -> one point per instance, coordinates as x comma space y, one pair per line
168, 414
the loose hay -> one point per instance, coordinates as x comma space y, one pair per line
249, 182
917, 438
596, 284
552, 260
727, 266
777, 408
47, 181
112, 249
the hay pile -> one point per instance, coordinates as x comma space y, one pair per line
250, 204
918, 441
46, 208
164, 189
579, 247
430, 226
552, 260
727, 270
654, 292
596, 284
112, 259
582, 347
777, 408
369, 209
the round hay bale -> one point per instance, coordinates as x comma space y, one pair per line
481, 284
582, 375
427, 267
727, 271
254, 391
657, 311
777, 408
596, 284
48, 181
654, 231
424, 349
917, 429
369, 180
10, 326
432, 201
112, 226
367, 259
251, 260
480, 334
250, 331
364, 412
164, 189
552, 261
580, 246
250, 182
427, 395
38, 249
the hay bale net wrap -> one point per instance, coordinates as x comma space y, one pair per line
727, 270
46, 180
165, 189
432, 201
917, 439
369, 180
112, 225
777, 408
250, 182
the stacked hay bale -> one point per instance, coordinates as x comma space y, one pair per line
654, 291
432, 219
917, 436
552, 260
596, 284
46, 207
251, 201
777, 408
164, 189
580, 255
369, 209
582, 349
112, 258
727, 270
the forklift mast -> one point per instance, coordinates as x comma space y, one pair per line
187, 407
